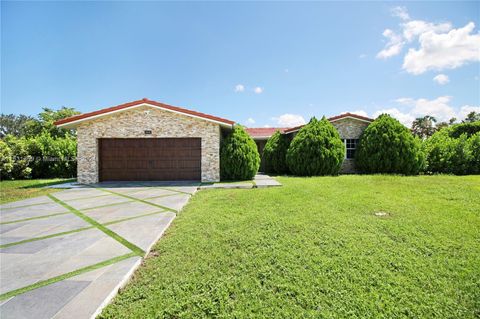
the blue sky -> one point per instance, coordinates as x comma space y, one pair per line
260, 64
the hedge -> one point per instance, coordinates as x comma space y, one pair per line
448, 154
386, 146
275, 154
316, 150
42, 156
239, 158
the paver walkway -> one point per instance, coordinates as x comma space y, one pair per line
65, 255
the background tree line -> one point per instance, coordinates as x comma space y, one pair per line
33, 147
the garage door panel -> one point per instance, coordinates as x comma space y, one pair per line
150, 159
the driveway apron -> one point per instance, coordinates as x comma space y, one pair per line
65, 255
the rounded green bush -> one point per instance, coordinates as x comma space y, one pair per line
316, 150
386, 146
275, 154
239, 158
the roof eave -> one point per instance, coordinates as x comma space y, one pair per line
73, 124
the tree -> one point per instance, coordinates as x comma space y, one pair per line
275, 154
6, 161
423, 127
16, 125
239, 158
20, 157
316, 150
472, 117
386, 146
45, 121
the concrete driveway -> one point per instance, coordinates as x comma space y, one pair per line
65, 255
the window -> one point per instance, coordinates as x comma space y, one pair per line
350, 146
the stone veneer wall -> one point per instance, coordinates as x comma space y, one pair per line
349, 129
133, 123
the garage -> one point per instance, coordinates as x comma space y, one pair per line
149, 159
146, 140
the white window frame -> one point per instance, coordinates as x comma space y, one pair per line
344, 140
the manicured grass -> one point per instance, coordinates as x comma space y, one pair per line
16, 190
315, 249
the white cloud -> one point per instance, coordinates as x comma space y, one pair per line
239, 88
440, 46
438, 108
413, 29
267, 126
464, 110
362, 56
443, 51
289, 120
400, 12
258, 90
250, 121
409, 109
404, 118
394, 45
441, 79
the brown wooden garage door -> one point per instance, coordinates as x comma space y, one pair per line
149, 159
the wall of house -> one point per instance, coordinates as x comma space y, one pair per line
349, 129
133, 123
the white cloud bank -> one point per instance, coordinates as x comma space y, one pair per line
407, 109
441, 79
289, 120
440, 46
250, 121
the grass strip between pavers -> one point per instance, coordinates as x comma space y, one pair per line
45, 237
22, 206
77, 230
174, 190
106, 205
130, 218
137, 199
66, 276
33, 218
137, 250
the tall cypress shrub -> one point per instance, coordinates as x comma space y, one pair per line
386, 146
275, 154
316, 150
239, 158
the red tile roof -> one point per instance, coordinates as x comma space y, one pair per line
86, 116
263, 131
348, 114
332, 119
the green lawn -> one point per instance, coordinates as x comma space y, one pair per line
16, 190
315, 249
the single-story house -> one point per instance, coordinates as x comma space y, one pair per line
147, 140
350, 127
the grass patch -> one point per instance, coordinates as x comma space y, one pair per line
315, 249
11, 191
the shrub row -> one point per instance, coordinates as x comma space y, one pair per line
386, 146
447, 151
42, 156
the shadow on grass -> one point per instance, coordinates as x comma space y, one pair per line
40, 185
